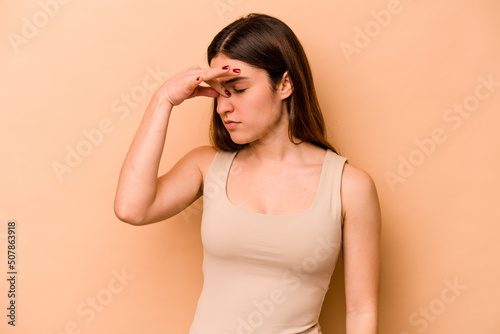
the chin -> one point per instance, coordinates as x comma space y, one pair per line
240, 140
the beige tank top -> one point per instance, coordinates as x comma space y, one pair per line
267, 274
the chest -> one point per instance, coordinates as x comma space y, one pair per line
284, 190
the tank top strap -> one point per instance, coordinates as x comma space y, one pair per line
216, 177
329, 190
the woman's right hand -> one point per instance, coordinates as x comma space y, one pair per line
186, 84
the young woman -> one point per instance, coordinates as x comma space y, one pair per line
278, 201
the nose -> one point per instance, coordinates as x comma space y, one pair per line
224, 105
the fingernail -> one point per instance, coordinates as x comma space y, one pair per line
228, 93
236, 70
198, 78
225, 67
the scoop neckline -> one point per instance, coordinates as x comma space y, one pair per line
310, 208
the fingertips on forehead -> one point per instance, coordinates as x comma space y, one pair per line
223, 78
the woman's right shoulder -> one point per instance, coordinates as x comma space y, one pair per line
201, 156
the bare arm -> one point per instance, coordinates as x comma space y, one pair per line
141, 197
361, 251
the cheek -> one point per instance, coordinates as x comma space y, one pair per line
258, 100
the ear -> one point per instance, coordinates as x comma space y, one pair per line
286, 86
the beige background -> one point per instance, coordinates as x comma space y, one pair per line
76, 77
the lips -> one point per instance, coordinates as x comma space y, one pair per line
230, 124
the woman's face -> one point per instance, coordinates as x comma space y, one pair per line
254, 111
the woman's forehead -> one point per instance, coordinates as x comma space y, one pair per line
222, 60
248, 72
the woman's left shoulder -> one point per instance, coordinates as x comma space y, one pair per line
357, 187
355, 177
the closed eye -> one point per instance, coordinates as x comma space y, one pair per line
239, 91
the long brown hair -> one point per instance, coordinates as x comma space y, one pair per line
269, 44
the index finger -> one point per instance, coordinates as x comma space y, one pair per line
211, 76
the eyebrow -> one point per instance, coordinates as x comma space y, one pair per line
230, 81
